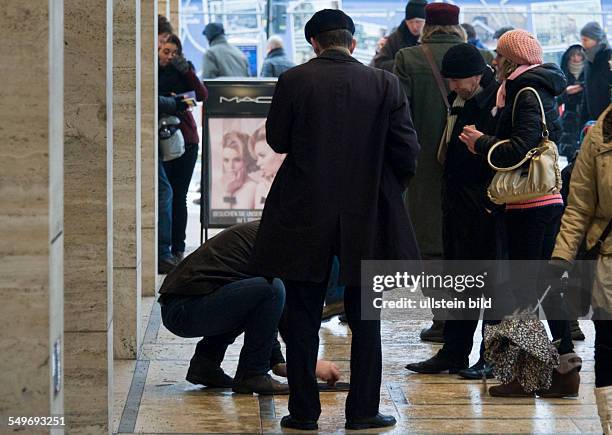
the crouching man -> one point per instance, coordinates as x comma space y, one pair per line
211, 295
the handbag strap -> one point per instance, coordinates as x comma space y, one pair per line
605, 234
532, 151
436, 74
543, 114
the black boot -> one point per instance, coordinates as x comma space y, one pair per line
437, 364
291, 423
435, 333
205, 372
575, 330
379, 420
477, 371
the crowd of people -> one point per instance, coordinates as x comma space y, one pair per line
414, 178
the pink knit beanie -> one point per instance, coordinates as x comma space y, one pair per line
521, 47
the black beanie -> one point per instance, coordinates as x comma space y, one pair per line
594, 31
415, 9
212, 30
462, 61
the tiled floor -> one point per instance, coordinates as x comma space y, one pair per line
161, 401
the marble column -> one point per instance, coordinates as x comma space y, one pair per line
163, 8
126, 179
170, 9
31, 210
174, 16
88, 208
148, 137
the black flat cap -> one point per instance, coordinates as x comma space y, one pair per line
462, 61
326, 20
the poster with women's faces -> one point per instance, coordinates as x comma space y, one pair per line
242, 168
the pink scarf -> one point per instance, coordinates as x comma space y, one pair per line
501, 92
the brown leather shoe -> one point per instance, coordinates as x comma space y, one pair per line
513, 389
332, 310
260, 384
565, 378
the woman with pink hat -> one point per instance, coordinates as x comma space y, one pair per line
531, 225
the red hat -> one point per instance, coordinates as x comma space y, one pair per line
521, 47
441, 14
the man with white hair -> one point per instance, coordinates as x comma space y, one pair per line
276, 61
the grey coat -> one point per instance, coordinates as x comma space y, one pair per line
276, 63
224, 60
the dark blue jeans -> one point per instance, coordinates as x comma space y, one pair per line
252, 306
179, 172
335, 292
164, 214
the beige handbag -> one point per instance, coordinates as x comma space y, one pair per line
542, 177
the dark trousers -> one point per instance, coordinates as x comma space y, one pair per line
304, 308
252, 306
531, 236
603, 353
459, 338
179, 172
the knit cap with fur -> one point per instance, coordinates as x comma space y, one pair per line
521, 47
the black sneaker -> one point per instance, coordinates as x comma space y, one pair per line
207, 373
437, 364
379, 420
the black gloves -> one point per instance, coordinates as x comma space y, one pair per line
553, 274
181, 106
181, 64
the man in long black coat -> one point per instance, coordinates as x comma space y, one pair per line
351, 149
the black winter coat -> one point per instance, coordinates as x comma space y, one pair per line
573, 110
598, 79
400, 38
171, 81
526, 132
351, 147
472, 226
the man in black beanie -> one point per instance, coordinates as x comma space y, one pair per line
406, 35
471, 224
351, 150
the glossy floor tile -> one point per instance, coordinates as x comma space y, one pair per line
164, 402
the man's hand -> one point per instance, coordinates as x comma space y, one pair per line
328, 371
573, 89
469, 136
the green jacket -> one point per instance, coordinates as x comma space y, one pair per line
429, 117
